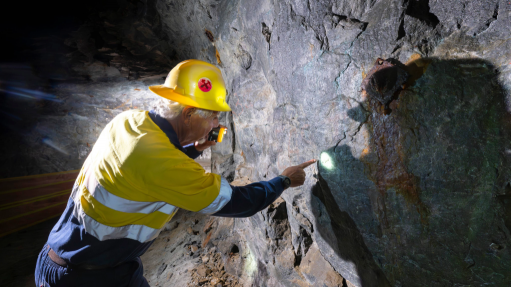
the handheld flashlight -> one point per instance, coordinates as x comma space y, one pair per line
217, 134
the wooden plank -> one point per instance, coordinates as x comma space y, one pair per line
30, 194
31, 219
9, 213
27, 182
28, 200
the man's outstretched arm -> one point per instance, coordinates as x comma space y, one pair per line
249, 199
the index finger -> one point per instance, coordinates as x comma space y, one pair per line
307, 163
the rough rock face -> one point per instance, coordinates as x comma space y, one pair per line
198, 250
415, 197
414, 194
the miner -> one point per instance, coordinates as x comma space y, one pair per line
139, 173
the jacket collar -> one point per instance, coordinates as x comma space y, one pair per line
166, 127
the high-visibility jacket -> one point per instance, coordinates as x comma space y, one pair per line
132, 183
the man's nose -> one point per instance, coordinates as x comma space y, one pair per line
216, 123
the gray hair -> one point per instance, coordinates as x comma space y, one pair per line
169, 109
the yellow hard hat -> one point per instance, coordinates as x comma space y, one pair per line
195, 83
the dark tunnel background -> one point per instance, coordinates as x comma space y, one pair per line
32, 62
50, 45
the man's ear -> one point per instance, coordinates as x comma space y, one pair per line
187, 114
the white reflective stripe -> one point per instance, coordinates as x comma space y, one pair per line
221, 200
103, 232
75, 192
121, 204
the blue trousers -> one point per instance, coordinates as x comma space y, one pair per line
50, 274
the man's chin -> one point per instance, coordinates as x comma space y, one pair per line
202, 140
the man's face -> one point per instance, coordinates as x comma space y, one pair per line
200, 127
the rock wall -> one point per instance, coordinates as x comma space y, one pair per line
414, 196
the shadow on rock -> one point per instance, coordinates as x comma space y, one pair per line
419, 195
339, 230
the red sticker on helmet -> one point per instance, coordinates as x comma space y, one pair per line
205, 84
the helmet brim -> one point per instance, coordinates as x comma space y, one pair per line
206, 104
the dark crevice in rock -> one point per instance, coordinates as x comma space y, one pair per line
227, 168
266, 32
344, 137
244, 58
495, 13
349, 20
489, 21
161, 269
277, 212
401, 33
233, 132
306, 240
234, 250
209, 35
420, 9
358, 128
323, 40
347, 66
396, 48
298, 258
471, 263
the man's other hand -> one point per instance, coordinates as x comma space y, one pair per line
204, 145
296, 173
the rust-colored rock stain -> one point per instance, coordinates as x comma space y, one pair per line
389, 170
218, 57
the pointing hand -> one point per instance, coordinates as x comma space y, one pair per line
296, 173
